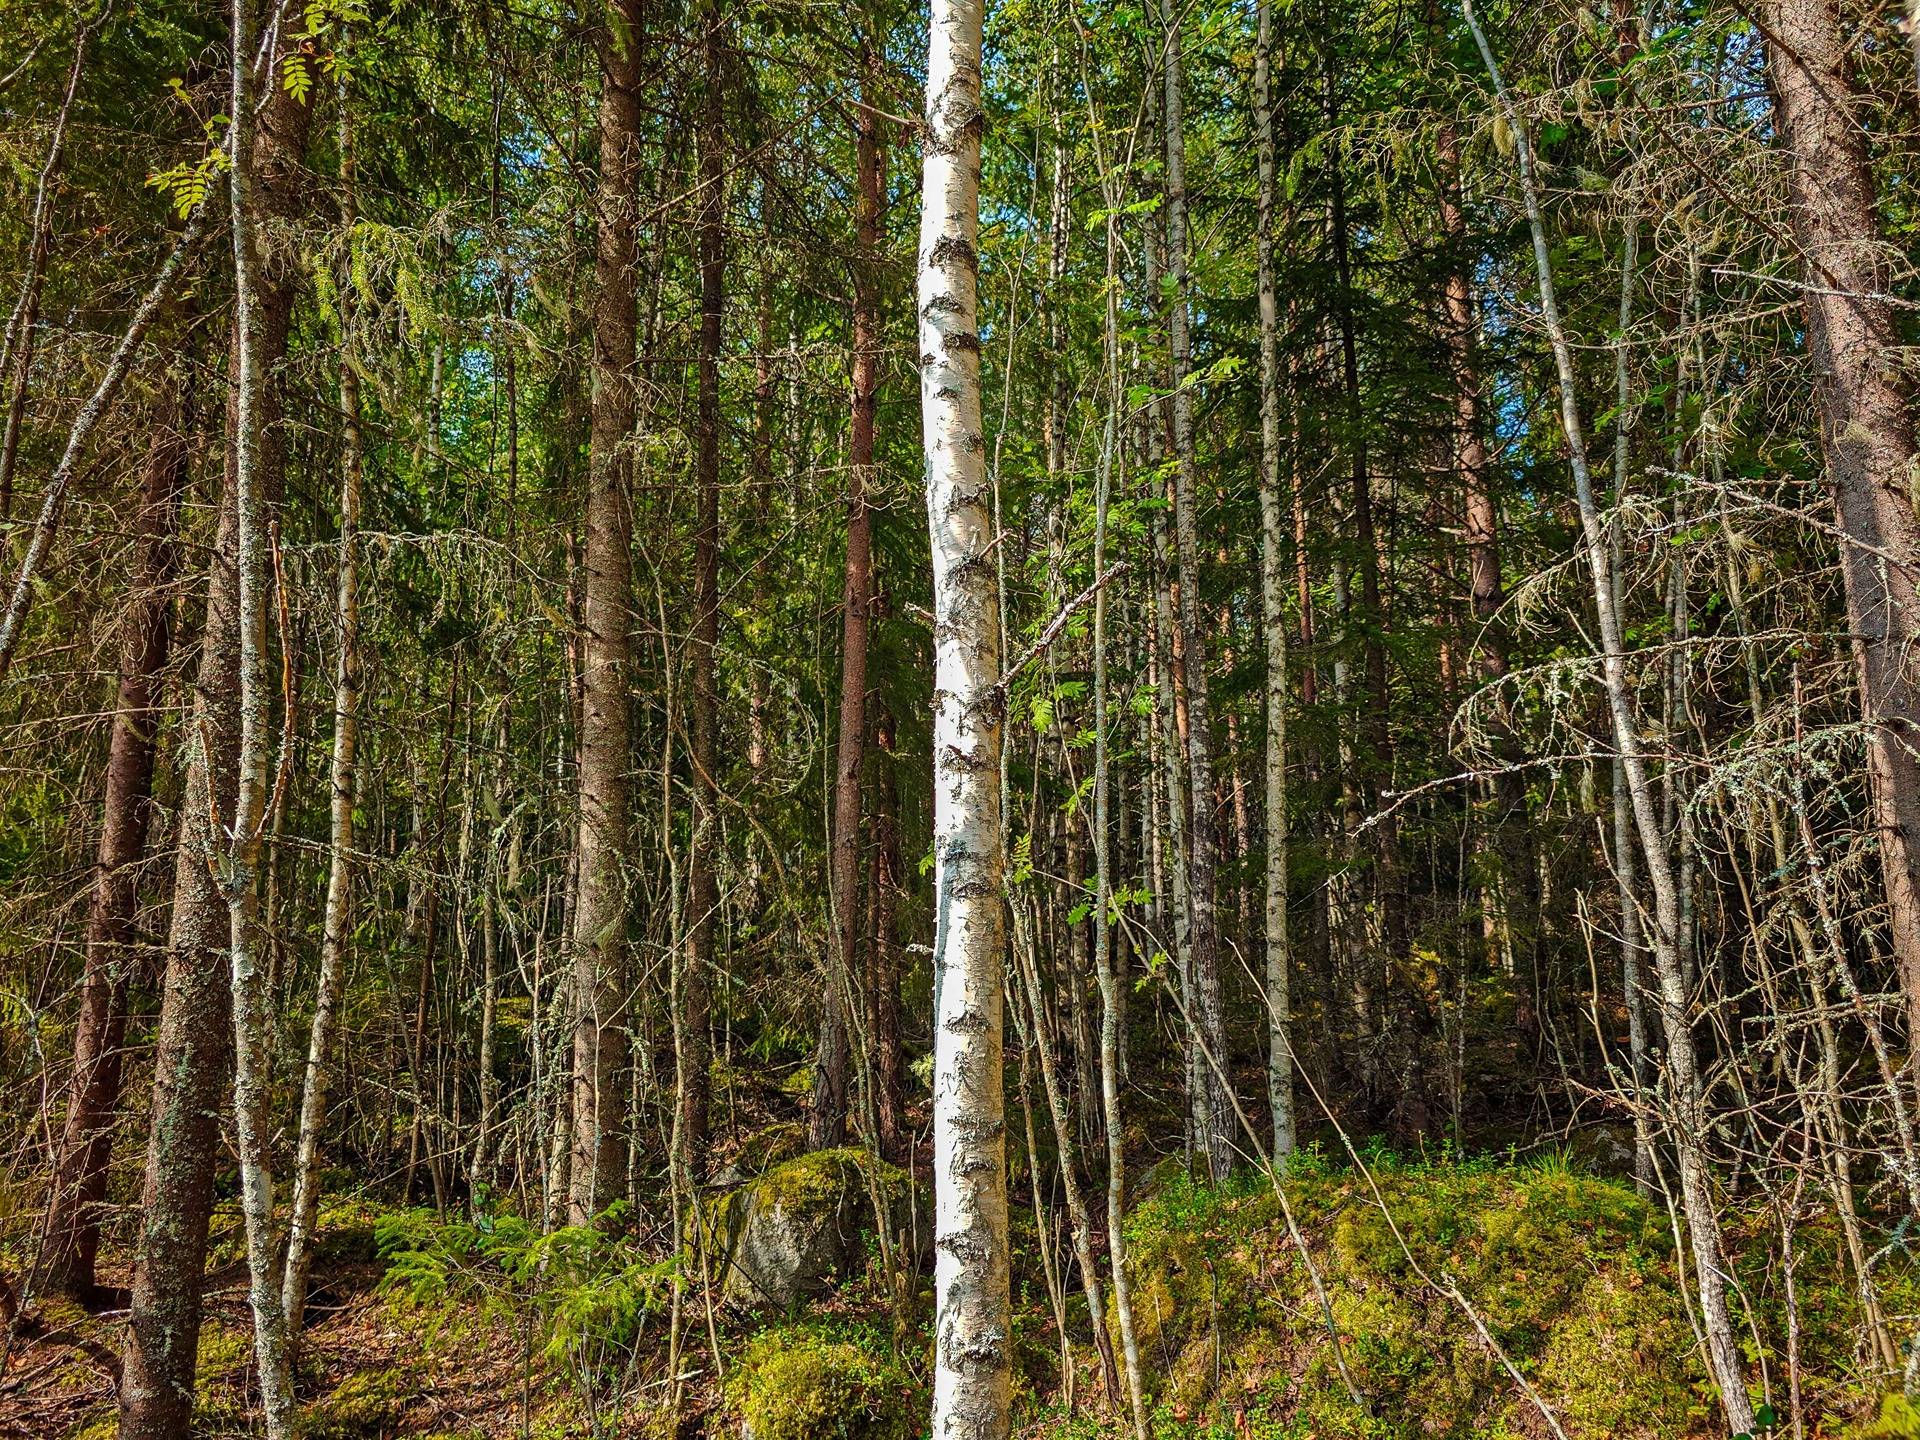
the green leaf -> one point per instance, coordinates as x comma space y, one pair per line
296, 77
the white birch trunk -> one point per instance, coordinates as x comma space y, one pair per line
972, 1383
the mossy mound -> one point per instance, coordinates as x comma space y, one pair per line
811, 1182
367, 1405
802, 1383
770, 1146
1572, 1274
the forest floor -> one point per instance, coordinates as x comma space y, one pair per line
1572, 1272
462, 1327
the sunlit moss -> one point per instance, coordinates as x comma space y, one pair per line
803, 1383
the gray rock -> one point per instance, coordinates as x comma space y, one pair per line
802, 1227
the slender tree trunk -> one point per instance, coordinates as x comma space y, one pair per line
1518, 902
1866, 429
193, 1049
80, 1183
601, 1013
1273, 614
1690, 1128
1632, 947
16, 350
256, 523
828, 1122
883, 955
98, 406
1109, 968
1078, 1213
1375, 765
1215, 1118
1632, 928
972, 1379
336, 927
702, 861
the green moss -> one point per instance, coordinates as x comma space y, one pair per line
816, 1181
366, 1404
223, 1353
770, 1146
800, 1383
1899, 1419
1570, 1272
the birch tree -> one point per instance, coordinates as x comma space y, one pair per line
972, 1380
252, 999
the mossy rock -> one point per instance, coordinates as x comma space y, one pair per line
771, 1146
367, 1405
800, 1383
1572, 1274
797, 1231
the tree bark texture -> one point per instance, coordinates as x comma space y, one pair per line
972, 1381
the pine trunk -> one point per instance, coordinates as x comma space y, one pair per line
1866, 431
598, 1166
79, 1185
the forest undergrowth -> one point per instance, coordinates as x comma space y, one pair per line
1473, 1295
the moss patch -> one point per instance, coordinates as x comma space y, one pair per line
365, 1406
816, 1181
1571, 1273
801, 1383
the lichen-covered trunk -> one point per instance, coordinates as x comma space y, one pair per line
1866, 430
23, 324
598, 1167
884, 875
973, 1342
255, 506
1273, 608
96, 409
79, 1184
193, 1052
1213, 1115
337, 921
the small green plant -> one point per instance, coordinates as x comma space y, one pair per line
591, 1288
